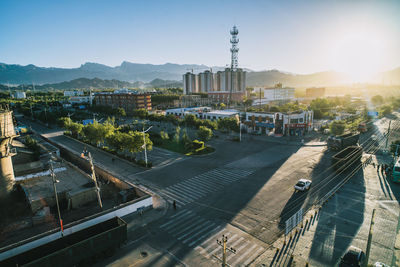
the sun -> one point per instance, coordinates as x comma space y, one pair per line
360, 53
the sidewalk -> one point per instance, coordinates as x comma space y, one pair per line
344, 221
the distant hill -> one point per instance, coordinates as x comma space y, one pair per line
149, 75
96, 83
391, 77
271, 77
131, 72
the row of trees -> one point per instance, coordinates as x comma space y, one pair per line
102, 134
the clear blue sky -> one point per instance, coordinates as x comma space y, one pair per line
295, 36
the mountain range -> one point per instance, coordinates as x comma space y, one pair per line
148, 75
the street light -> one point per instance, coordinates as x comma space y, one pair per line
53, 177
144, 143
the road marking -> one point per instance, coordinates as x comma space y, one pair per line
200, 188
233, 245
243, 255
206, 234
200, 221
183, 220
180, 215
194, 229
185, 196
239, 250
218, 247
252, 258
198, 233
191, 190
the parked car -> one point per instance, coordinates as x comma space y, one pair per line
354, 257
302, 185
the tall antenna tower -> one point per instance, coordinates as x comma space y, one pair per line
234, 59
234, 48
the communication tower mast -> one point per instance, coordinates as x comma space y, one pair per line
234, 48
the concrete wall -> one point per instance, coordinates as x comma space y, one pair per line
120, 211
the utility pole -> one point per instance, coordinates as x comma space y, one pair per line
369, 237
240, 131
95, 180
144, 143
222, 243
54, 180
387, 134
259, 99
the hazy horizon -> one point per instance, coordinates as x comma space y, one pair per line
358, 38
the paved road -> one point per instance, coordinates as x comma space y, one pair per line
243, 190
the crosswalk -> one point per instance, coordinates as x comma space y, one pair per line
201, 234
198, 186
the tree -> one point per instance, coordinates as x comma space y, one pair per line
222, 106
385, 110
177, 136
121, 112
337, 127
75, 128
164, 135
377, 100
204, 133
141, 113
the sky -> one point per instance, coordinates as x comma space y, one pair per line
304, 36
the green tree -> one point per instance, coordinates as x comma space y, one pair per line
121, 112
385, 110
164, 135
177, 135
141, 113
377, 100
75, 128
337, 127
204, 133
222, 106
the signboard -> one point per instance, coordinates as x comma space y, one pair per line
373, 113
88, 121
265, 124
295, 125
293, 221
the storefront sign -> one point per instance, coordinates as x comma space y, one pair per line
295, 125
265, 124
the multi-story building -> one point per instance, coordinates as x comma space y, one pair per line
218, 86
189, 83
128, 101
277, 94
192, 101
203, 113
315, 92
295, 123
73, 93
19, 95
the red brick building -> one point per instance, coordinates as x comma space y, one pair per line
128, 101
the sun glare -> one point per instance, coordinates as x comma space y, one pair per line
360, 53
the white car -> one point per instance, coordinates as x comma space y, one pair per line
380, 264
302, 185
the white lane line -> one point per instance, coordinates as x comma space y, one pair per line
178, 213
239, 250
171, 221
206, 234
199, 222
183, 220
243, 255
214, 180
230, 175
233, 245
207, 183
198, 233
219, 247
252, 258
214, 236
200, 188
187, 197
170, 199
174, 197
191, 190
194, 229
